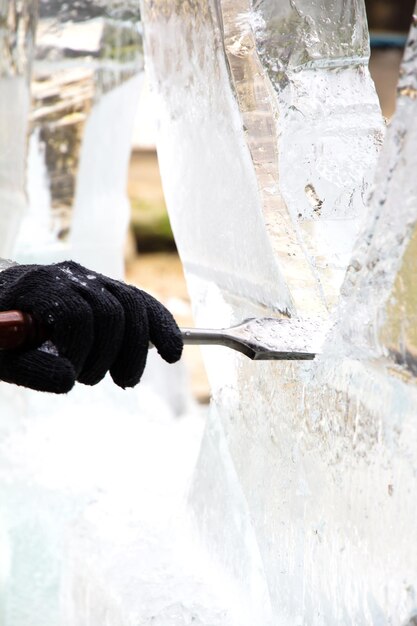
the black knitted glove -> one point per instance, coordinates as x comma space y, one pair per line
95, 325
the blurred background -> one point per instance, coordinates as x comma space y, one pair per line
151, 257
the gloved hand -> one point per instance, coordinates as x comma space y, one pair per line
95, 324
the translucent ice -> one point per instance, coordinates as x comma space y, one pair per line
58, 454
269, 114
304, 490
134, 559
56, 458
17, 27
313, 127
380, 306
88, 66
277, 147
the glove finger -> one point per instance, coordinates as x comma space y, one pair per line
128, 368
163, 330
18, 285
69, 320
66, 315
109, 326
37, 370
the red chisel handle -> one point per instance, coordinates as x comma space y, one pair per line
18, 329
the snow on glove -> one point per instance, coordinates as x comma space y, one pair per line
95, 324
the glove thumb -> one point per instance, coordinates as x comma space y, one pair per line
37, 370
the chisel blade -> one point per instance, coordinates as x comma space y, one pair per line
265, 338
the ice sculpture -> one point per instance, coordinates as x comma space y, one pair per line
379, 288
269, 136
260, 109
304, 488
56, 454
17, 27
88, 64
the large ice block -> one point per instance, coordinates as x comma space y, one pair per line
269, 138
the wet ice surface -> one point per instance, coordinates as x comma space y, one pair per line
314, 462
319, 450
379, 304
58, 458
314, 130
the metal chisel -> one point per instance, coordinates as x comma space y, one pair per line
260, 339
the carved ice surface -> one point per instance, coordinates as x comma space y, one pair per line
306, 166
380, 289
282, 335
321, 151
223, 236
269, 114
